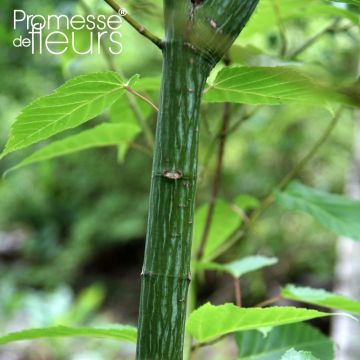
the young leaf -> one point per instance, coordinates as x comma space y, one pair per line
241, 267
77, 101
210, 322
266, 85
298, 355
102, 135
120, 332
253, 345
224, 222
246, 202
321, 297
337, 213
133, 80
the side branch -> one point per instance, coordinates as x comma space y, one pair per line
217, 178
136, 25
269, 199
142, 97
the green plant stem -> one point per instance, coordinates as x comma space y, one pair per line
190, 51
136, 25
237, 288
166, 270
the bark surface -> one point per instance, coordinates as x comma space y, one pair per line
198, 34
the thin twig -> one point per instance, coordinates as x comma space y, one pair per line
309, 42
136, 25
269, 199
280, 24
271, 301
215, 139
198, 346
245, 117
142, 97
216, 180
141, 148
237, 287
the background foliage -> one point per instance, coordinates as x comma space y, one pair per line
80, 220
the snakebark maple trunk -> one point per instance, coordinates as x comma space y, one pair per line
198, 34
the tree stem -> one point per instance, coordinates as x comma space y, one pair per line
166, 271
193, 45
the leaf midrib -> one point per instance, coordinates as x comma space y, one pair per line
279, 97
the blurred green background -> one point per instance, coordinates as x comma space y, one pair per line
72, 230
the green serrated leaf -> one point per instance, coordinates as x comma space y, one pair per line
253, 345
210, 322
292, 354
77, 101
102, 135
266, 85
321, 297
242, 266
337, 213
120, 332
